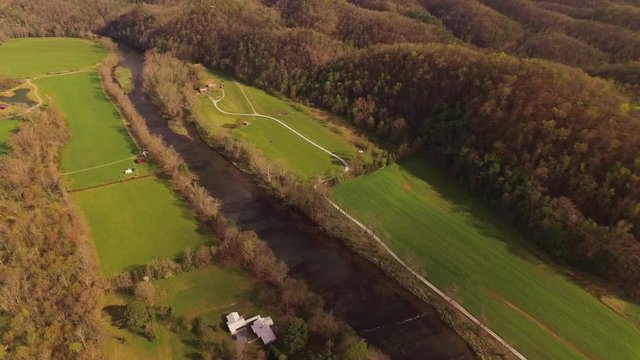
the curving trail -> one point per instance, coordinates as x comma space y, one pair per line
28, 82
256, 114
99, 166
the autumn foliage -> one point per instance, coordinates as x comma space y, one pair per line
49, 288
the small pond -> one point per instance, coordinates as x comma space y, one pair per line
20, 96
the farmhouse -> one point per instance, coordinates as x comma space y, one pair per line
4, 106
260, 326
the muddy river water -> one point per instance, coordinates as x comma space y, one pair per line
382, 312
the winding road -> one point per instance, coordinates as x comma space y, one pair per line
256, 114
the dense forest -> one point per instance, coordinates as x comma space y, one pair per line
559, 149
21, 18
49, 286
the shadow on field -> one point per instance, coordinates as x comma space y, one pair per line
489, 222
343, 154
133, 149
116, 313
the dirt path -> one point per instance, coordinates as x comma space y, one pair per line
439, 292
255, 114
99, 166
29, 83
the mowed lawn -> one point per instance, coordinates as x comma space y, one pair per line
38, 56
277, 142
471, 253
100, 147
167, 345
7, 128
284, 148
210, 293
136, 221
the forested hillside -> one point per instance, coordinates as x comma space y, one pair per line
21, 18
555, 147
591, 35
49, 288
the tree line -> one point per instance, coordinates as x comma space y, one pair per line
49, 287
557, 149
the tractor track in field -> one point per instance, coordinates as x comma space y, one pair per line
256, 114
540, 324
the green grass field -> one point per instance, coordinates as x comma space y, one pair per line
278, 143
7, 128
284, 148
124, 77
37, 56
471, 252
134, 222
210, 293
98, 134
167, 345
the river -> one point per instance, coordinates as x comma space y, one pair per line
355, 291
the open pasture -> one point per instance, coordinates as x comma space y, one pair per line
134, 222
7, 128
477, 258
277, 142
100, 147
28, 57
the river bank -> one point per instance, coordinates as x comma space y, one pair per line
357, 292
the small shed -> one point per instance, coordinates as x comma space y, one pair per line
235, 322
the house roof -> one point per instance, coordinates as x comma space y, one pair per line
263, 330
260, 326
233, 317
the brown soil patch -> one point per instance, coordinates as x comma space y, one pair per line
407, 187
